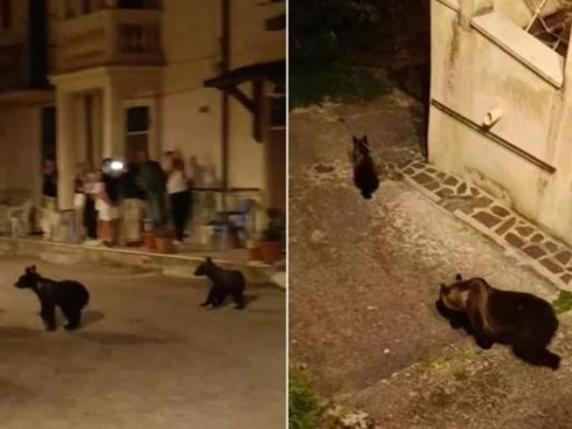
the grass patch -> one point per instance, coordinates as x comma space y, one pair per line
563, 303
303, 407
438, 363
339, 81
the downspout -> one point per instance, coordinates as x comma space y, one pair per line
225, 114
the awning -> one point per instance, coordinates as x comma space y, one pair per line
274, 71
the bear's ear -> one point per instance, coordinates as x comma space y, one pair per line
458, 277
209, 260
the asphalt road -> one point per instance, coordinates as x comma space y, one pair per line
148, 356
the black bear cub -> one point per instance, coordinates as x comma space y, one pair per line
224, 282
365, 174
521, 320
70, 296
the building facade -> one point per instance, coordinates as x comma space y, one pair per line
124, 75
501, 103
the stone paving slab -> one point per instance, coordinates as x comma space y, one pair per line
548, 255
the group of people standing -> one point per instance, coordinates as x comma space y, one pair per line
115, 203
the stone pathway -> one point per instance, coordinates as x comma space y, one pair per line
547, 255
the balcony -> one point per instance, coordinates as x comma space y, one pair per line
108, 37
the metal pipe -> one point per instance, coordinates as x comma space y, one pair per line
225, 114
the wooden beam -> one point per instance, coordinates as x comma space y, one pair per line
242, 98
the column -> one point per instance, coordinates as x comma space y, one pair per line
471, 8
97, 129
66, 156
113, 120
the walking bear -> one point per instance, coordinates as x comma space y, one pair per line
521, 320
224, 282
365, 174
70, 296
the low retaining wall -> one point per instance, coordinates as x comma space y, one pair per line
169, 265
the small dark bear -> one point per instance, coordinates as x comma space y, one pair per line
224, 282
521, 320
365, 174
70, 296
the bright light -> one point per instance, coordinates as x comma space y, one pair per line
116, 165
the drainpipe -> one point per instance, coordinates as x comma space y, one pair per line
225, 114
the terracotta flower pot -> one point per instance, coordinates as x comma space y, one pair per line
271, 251
256, 253
164, 244
149, 241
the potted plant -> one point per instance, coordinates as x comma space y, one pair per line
270, 248
164, 242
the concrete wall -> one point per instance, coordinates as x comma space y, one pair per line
495, 64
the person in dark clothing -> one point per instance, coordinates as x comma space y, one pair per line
49, 206
89, 212
151, 179
50, 179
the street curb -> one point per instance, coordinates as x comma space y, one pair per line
169, 265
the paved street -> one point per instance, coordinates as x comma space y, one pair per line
147, 357
364, 276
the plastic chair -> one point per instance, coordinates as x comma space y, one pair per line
20, 219
234, 220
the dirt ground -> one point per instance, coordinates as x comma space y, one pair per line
364, 277
148, 356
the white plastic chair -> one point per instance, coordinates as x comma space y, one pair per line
20, 219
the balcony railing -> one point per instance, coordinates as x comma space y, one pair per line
108, 37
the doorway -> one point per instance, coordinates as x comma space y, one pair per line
48, 132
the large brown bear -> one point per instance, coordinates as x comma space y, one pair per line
521, 320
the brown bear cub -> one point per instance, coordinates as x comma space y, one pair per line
365, 174
521, 320
69, 295
223, 283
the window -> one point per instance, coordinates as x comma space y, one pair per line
6, 14
48, 132
137, 131
137, 119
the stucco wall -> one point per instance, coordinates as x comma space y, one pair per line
191, 114
20, 129
473, 73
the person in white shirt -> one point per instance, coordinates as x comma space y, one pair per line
179, 195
